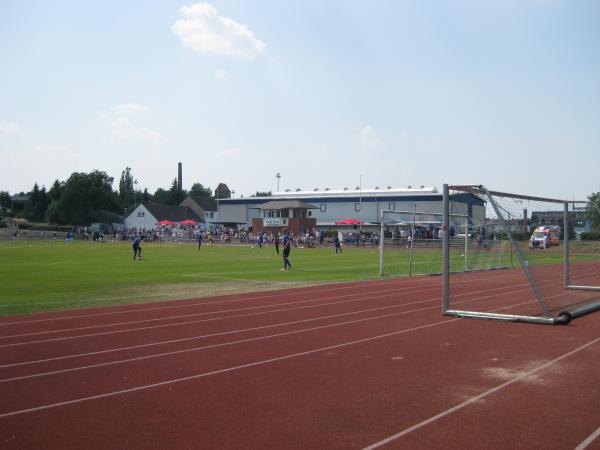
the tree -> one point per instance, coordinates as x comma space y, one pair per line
35, 209
146, 197
55, 191
85, 198
262, 194
126, 188
5, 201
176, 195
197, 190
161, 196
593, 210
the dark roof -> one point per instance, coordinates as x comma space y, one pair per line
173, 213
286, 204
206, 203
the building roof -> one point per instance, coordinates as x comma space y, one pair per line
346, 192
173, 213
206, 203
286, 204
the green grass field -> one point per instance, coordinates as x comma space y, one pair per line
45, 275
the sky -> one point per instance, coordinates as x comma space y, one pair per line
504, 93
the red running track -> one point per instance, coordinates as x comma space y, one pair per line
361, 365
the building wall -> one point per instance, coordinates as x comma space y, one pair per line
368, 209
293, 224
140, 218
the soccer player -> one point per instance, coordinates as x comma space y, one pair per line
287, 248
338, 245
137, 247
276, 240
200, 237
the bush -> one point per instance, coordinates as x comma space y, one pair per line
590, 236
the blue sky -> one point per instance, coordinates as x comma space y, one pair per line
503, 93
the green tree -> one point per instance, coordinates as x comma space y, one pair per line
126, 188
55, 191
262, 194
5, 201
146, 197
176, 195
593, 210
85, 198
35, 209
197, 190
161, 196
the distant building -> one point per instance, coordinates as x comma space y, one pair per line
205, 207
365, 205
279, 214
222, 192
147, 215
578, 219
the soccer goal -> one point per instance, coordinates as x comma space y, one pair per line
411, 242
526, 259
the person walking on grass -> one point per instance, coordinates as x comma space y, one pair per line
287, 248
338, 245
137, 247
276, 241
200, 237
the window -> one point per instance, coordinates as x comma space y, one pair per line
323, 207
392, 206
141, 214
357, 207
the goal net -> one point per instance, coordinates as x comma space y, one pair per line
411, 242
526, 258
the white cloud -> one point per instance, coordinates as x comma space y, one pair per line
205, 31
368, 138
221, 74
230, 152
9, 128
123, 128
132, 109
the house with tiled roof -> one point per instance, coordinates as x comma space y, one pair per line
147, 215
205, 207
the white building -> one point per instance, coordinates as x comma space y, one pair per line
361, 204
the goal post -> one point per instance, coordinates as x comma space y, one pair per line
411, 241
527, 261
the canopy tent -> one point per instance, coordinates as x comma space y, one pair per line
349, 222
165, 222
188, 222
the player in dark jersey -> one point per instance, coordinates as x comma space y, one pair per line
287, 248
137, 247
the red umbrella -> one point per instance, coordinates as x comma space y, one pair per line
349, 222
188, 222
165, 222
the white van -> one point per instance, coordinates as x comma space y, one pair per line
539, 235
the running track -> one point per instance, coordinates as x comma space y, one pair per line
361, 365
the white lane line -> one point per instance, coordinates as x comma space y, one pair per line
405, 289
175, 352
206, 347
363, 298
209, 301
587, 441
215, 372
478, 397
223, 333
208, 313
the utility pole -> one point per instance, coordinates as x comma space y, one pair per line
278, 176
